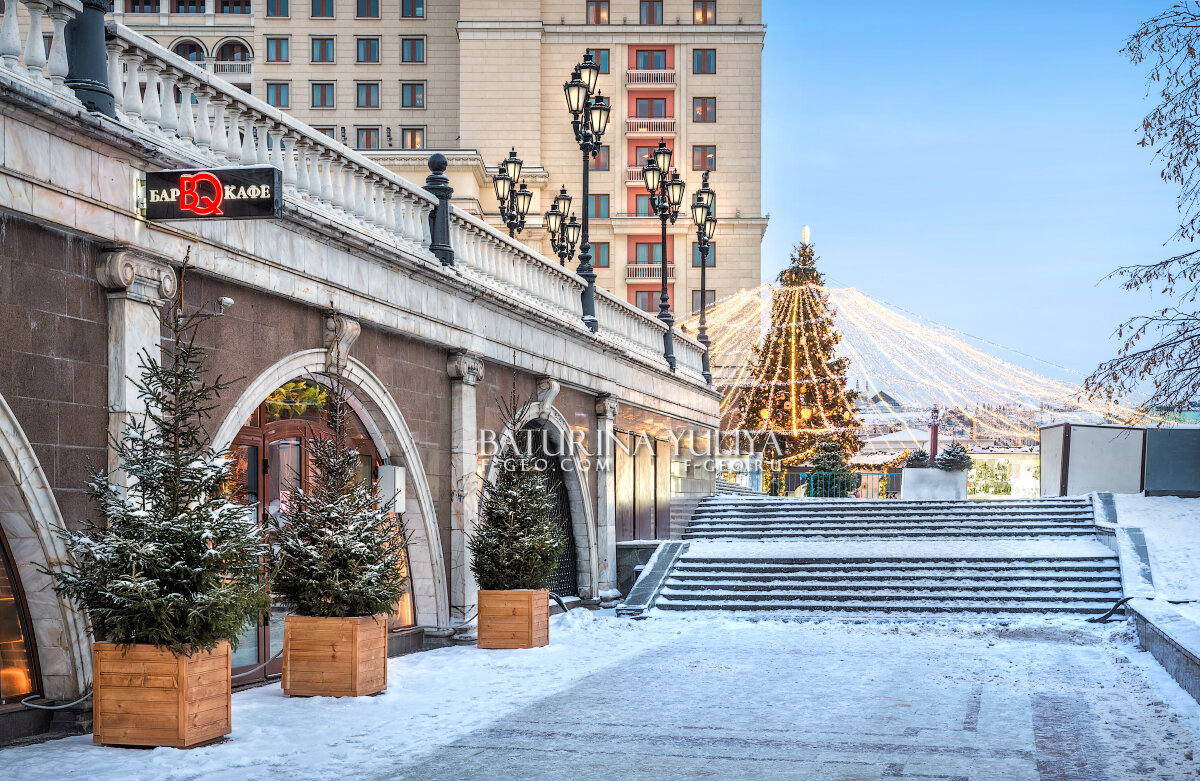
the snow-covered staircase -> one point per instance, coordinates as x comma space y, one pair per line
891, 557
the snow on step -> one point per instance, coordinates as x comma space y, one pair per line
970, 558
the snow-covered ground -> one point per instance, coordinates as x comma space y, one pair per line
1172, 528
704, 692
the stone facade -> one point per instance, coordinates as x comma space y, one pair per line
344, 281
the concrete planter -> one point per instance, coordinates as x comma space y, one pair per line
931, 484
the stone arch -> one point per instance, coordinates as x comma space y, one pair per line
29, 518
394, 439
189, 41
583, 519
233, 41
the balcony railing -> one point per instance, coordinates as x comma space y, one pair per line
227, 68
648, 271
650, 125
633, 175
650, 78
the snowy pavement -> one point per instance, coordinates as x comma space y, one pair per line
1171, 525
713, 697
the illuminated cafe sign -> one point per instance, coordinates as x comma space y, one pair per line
241, 193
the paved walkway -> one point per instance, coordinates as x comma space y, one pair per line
740, 700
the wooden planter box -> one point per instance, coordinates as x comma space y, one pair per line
334, 657
514, 619
151, 697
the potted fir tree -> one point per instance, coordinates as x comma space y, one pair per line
514, 551
338, 566
171, 575
942, 479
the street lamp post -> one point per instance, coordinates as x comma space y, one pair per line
589, 118
666, 194
704, 215
564, 233
514, 204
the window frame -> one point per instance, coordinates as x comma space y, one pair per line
414, 5
604, 62
596, 254
705, 55
605, 153
358, 93
594, 200
404, 134
277, 3
420, 39
650, 104
287, 48
599, 10
650, 254
313, 8
652, 299
704, 11
637, 55
414, 86
712, 255
358, 7
709, 293
332, 40
332, 87
359, 40
651, 6
705, 154
710, 110
358, 131
287, 93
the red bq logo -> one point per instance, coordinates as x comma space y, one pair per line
191, 200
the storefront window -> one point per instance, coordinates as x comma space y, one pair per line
16, 645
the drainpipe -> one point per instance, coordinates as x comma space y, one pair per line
87, 61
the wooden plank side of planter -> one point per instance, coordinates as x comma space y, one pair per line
151, 697
334, 657
514, 619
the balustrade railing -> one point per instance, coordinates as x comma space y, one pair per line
27, 58
661, 77
171, 98
650, 125
648, 271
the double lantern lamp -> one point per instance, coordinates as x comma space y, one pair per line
666, 191
564, 233
514, 204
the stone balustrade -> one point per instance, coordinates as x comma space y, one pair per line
220, 124
27, 59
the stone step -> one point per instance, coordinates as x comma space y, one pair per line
1108, 586
936, 597
845, 564
911, 609
752, 504
889, 535
896, 526
1049, 576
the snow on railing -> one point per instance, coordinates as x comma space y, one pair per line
169, 97
28, 60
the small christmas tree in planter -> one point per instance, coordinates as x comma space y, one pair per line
944, 479
338, 562
917, 459
172, 575
954, 458
515, 548
831, 477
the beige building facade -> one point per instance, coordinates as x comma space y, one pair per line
476, 78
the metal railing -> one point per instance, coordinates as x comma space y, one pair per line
833, 485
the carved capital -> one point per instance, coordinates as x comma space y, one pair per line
141, 277
606, 407
465, 367
340, 333
547, 390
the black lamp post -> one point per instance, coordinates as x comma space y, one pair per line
514, 204
589, 118
564, 233
666, 194
704, 215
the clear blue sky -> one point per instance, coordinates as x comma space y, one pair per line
975, 162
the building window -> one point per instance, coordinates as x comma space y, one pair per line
704, 11
646, 300
704, 157
278, 95
412, 50
712, 255
642, 153
277, 7
413, 9
322, 8
651, 12
412, 138
190, 50
641, 206
704, 109
648, 253
598, 206
597, 12
412, 94
277, 50
233, 52
367, 138
368, 9
141, 6
368, 50
234, 6
187, 6
650, 59
600, 161
600, 254
368, 95
322, 50
710, 297
650, 107
600, 57
16, 643
322, 95
704, 60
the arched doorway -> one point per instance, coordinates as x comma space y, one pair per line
271, 453
538, 443
19, 675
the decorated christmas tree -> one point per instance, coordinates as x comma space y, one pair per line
338, 551
175, 562
797, 393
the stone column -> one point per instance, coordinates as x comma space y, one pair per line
466, 371
138, 286
606, 501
